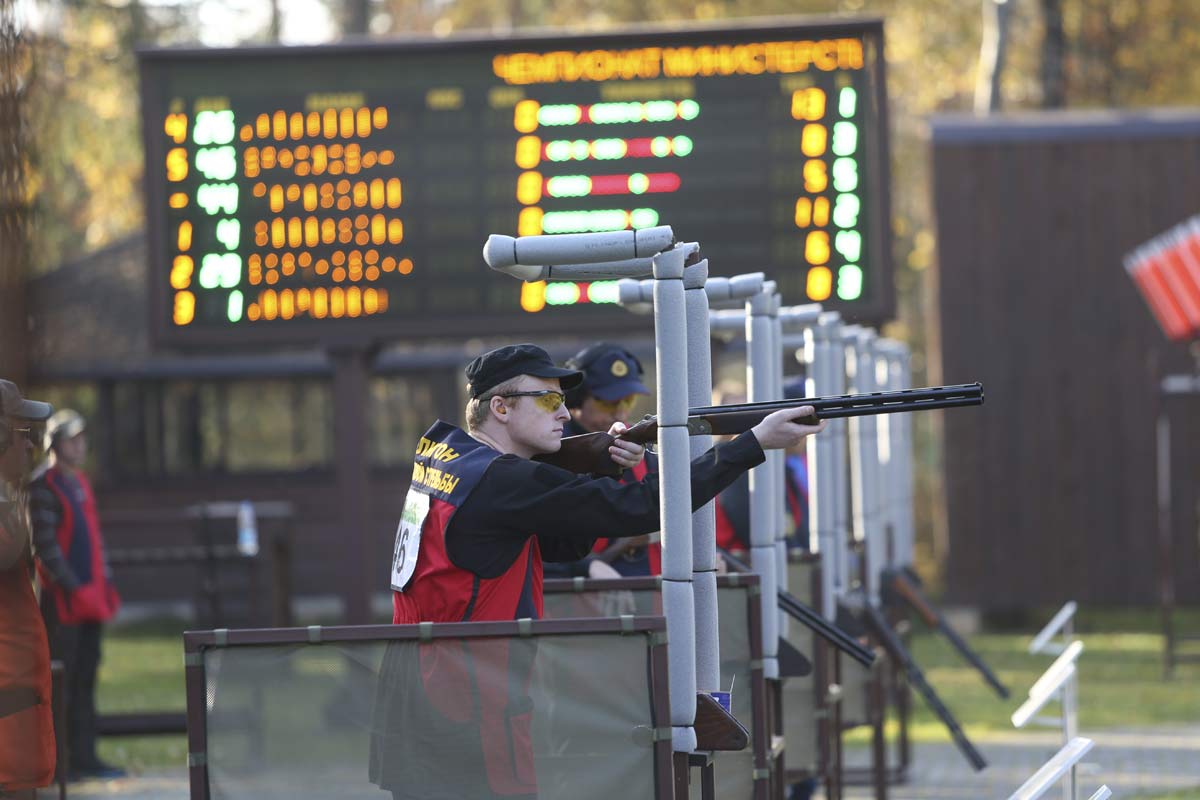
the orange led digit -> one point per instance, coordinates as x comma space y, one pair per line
176, 127
820, 284
810, 212
394, 194
816, 176
184, 241
185, 308
813, 139
395, 231
816, 247
529, 152
529, 188
177, 164
525, 116
181, 272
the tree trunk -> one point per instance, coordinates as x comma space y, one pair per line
1054, 51
14, 201
355, 16
276, 22
991, 55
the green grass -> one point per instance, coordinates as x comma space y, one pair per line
1121, 684
142, 670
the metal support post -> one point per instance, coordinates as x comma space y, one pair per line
704, 522
821, 355
675, 492
763, 502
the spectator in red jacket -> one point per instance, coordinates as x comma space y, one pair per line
78, 594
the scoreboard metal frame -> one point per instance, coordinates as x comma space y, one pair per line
157, 66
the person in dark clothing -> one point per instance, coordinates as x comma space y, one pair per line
78, 594
479, 518
611, 387
27, 745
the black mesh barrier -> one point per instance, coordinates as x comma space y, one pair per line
799, 698
465, 714
734, 771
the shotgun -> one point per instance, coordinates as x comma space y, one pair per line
588, 453
906, 589
879, 629
810, 619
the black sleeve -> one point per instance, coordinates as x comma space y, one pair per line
517, 498
557, 549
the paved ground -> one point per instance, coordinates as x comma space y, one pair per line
1132, 763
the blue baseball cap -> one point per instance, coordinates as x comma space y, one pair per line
610, 372
795, 388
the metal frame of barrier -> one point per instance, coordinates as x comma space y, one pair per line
823, 700
666, 780
769, 755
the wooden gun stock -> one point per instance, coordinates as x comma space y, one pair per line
588, 453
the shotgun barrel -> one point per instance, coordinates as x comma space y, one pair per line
907, 590
806, 616
872, 617
588, 453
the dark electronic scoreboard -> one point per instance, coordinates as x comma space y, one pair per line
302, 194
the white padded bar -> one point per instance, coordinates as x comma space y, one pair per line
1053, 770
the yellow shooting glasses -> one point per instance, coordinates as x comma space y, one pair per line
547, 399
625, 404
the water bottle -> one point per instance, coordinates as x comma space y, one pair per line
247, 529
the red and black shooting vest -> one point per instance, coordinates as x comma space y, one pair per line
426, 585
457, 713
95, 599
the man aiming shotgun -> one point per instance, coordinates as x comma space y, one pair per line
479, 518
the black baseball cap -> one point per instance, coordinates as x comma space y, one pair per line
610, 372
504, 363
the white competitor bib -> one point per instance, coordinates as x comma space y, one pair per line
408, 538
